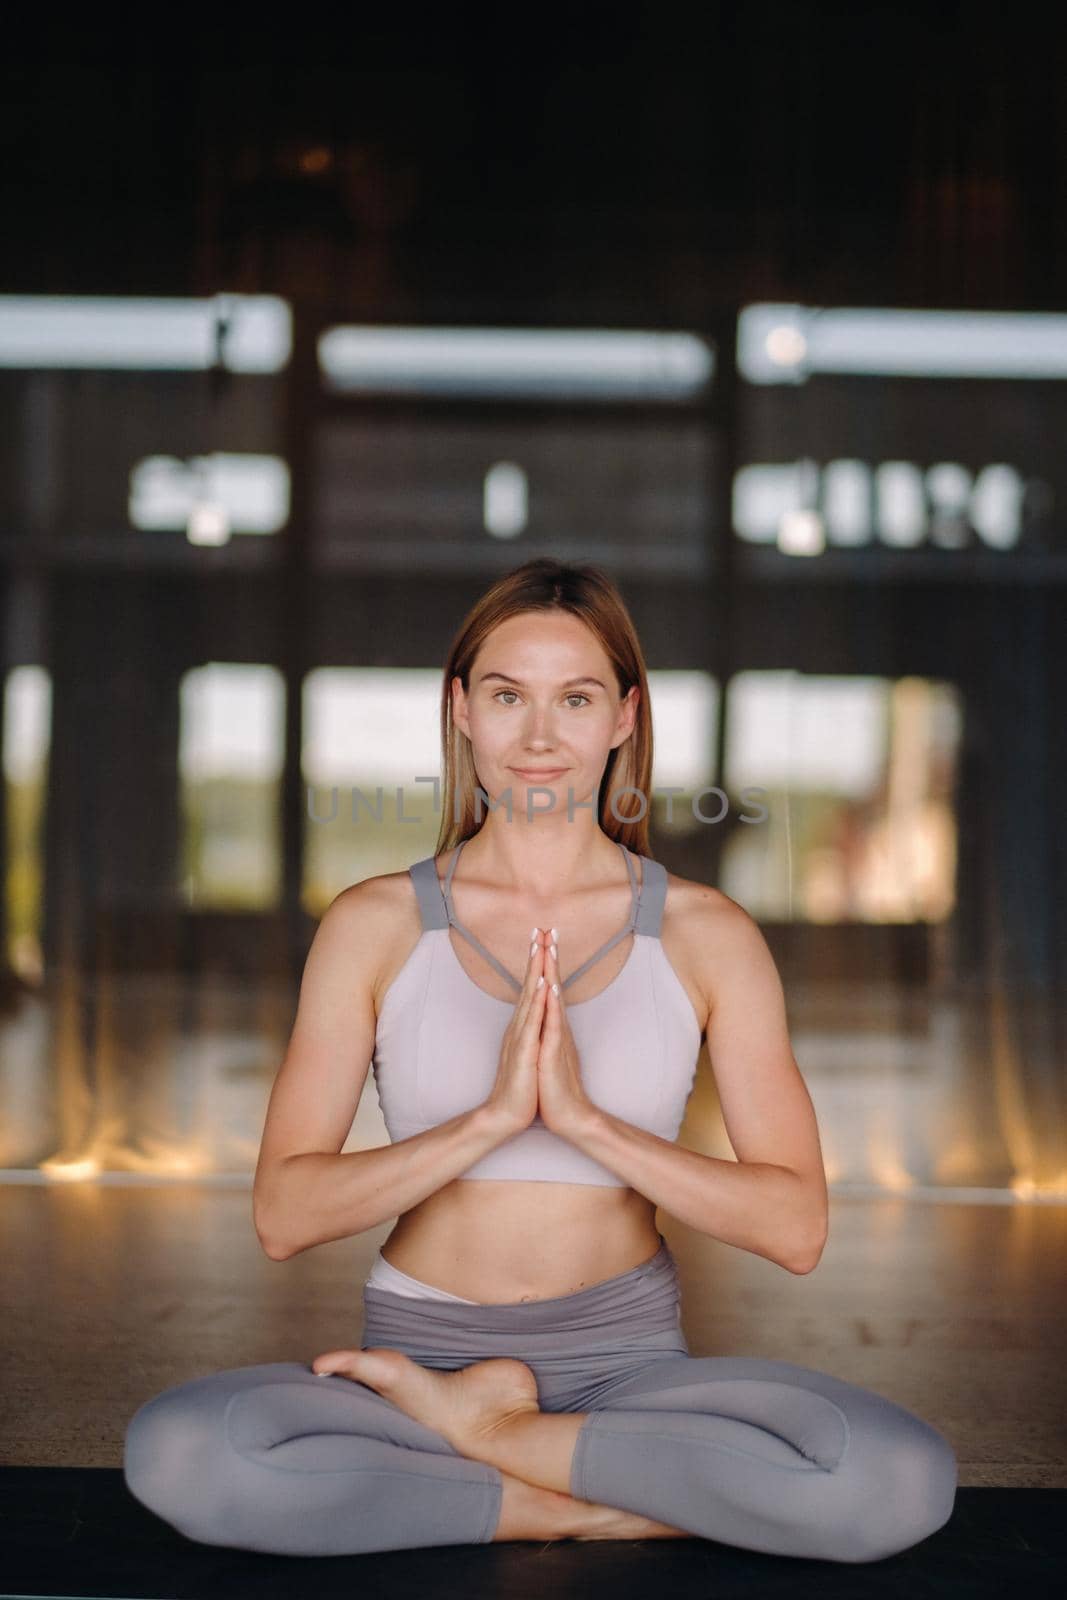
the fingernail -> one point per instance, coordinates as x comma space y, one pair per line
555, 988
553, 932
540, 981
534, 932
554, 952
533, 947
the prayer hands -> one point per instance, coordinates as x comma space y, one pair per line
562, 1100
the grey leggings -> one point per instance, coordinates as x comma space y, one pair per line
756, 1453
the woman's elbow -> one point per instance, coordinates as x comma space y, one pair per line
271, 1246
274, 1251
809, 1253
263, 1221
800, 1266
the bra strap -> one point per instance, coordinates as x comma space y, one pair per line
653, 897
432, 907
623, 933
646, 915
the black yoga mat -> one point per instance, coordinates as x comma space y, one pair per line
78, 1532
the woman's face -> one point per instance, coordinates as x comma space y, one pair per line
543, 709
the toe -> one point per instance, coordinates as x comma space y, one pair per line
331, 1361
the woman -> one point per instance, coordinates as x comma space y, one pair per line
534, 1023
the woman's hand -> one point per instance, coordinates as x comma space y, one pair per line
514, 1093
562, 1100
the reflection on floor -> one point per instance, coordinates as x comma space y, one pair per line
114, 1291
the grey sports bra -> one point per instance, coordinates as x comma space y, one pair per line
439, 1035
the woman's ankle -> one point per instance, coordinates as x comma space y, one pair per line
529, 1512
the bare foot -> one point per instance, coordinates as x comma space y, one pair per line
529, 1512
607, 1522
462, 1406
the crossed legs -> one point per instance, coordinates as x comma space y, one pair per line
763, 1454
488, 1411
760, 1454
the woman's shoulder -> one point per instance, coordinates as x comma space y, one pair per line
691, 898
696, 910
379, 916
373, 899
702, 927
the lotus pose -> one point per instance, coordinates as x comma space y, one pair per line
533, 999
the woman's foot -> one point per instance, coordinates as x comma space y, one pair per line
607, 1522
544, 1515
465, 1407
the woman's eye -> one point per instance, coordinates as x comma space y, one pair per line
577, 695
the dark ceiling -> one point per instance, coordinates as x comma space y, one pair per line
642, 159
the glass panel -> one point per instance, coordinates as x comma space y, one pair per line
230, 761
858, 777
27, 733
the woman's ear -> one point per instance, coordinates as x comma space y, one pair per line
627, 714
459, 704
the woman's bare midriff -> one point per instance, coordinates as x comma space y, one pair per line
503, 1242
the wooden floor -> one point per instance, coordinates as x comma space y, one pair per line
112, 1292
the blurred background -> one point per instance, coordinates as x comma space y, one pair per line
305, 338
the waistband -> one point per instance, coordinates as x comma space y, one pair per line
621, 1313
383, 1275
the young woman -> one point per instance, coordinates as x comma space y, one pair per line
533, 998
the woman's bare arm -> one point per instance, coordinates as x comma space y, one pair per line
305, 1191
772, 1200
318, 1197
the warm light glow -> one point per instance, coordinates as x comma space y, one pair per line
889, 1174
317, 159
1028, 1189
208, 524
174, 1163
70, 1171
801, 533
786, 346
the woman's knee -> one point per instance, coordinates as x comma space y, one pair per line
174, 1460
895, 1492
167, 1460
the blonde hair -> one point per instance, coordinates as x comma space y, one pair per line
586, 592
